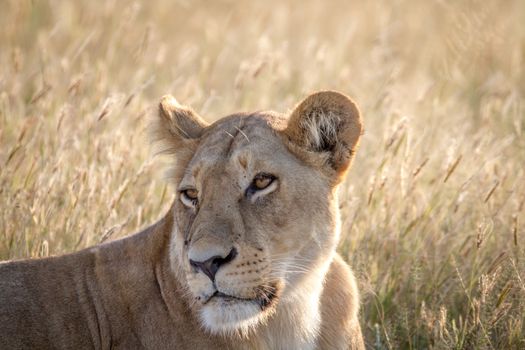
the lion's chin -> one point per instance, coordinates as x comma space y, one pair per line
232, 316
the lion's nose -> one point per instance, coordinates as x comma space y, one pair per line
210, 266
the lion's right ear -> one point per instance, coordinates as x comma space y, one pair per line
177, 127
325, 128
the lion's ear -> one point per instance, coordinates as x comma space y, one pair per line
326, 124
176, 126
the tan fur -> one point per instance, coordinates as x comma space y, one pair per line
277, 282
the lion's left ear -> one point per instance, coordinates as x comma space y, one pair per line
326, 125
177, 127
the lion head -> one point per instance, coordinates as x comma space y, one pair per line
256, 213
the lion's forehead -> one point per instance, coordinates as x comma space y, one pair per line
235, 136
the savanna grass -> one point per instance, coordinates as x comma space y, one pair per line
433, 209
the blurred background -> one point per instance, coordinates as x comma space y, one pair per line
433, 209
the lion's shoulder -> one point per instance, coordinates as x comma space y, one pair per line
340, 307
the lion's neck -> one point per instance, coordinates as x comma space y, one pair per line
296, 323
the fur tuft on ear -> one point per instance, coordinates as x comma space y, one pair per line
326, 124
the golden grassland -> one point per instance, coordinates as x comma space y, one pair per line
433, 209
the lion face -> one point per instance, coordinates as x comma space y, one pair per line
250, 218
256, 214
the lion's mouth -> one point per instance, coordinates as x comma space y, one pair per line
266, 298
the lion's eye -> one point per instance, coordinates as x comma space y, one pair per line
261, 185
189, 197
262, 181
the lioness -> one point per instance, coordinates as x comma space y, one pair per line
244, 259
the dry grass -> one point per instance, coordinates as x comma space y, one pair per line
433, 208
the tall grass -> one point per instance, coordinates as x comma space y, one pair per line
433, 209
